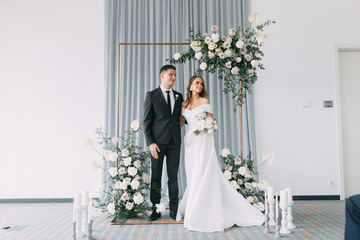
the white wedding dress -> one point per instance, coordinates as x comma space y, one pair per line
210, 203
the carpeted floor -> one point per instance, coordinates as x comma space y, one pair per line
314, 220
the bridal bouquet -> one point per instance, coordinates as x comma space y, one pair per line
235, 56
240, 173
128, 173
205, 124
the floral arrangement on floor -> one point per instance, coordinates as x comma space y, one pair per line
236, 57
240, 173
205, 124
129, 174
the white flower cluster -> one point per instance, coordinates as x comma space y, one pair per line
205, 124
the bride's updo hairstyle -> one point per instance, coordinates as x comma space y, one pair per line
203, 93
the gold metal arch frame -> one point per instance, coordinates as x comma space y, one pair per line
118, 86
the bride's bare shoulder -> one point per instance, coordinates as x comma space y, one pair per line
204, 101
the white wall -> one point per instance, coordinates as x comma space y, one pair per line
300, 67
51, 96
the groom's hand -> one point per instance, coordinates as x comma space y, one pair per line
154, 149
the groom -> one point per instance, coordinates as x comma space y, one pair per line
162, 109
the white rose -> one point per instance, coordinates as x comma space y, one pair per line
222, 55
218, 51
232, 31
227, 174
114, 140
113, 171
212, 46
215, 37
138, 198
117, 184
195, 46
248, 185
113, 156
235, 185
228, 64
124, 197
242, 171
252, 158
129, 205
198, 55
211, 55
243, 51
228, 53
137, 163
95, 165
123, 186
160, 207
249, 174
107, 154
135, 184
239, 44
254, 184
207, 40
250, 199
124, 153
247, 57
235, 70
203, 66
89, 142
210, 131
214, 28
251, 72
111, 208
135, 125
127, 180
254, 17
269, 158
122, 171
216, 127
262, 37
226, 44
238, 59
229, 40
137, 177
177, 56
238, 161
239, 181
223, 38
225, 152
132, 171
254, 63
127, 161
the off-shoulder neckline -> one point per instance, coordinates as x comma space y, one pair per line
196, 107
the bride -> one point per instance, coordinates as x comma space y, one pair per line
210, 203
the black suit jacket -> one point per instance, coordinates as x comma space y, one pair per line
159, 124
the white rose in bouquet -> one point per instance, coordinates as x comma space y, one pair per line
212, 46
239, 44
214, 28
227, 174
113, 171
235, 184
238, 59
228, 64
123, 186
147, 179
129, 205
238, 161
235, 70
127, 180
203, 66
113, 157
254, 184
198, 55
117, 185
250, 199
137, 163
135, 184
111, 208
122, 171
138, 198
225, 152
215, 37
262, 37
243, 171
132, 171
232, 31
125, 197
248, 185
124, 153
195, 46
127, 161
228, 53
114, 140
177, 56
211, 55
135, 125
249, 174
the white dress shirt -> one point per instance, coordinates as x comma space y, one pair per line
172, 99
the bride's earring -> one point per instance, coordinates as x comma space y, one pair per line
191, 89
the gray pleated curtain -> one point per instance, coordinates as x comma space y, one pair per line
168, 21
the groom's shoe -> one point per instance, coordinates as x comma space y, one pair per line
154, 215
173, 214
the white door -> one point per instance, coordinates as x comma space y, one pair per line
349, 70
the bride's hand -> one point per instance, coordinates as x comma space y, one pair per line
154, 149
182, 120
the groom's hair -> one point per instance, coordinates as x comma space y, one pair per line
166, 67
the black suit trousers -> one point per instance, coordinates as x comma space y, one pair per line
172, 153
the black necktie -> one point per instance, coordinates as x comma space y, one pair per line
168, 100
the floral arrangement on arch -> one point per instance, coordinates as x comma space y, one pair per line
129, 174
240, 173
236, 57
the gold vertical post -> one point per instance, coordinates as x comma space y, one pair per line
241, 145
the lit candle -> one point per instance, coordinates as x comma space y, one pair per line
90, 210
85, 198
290, 196
78, 200
270, 194
283, 197
277, 205
266, 203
